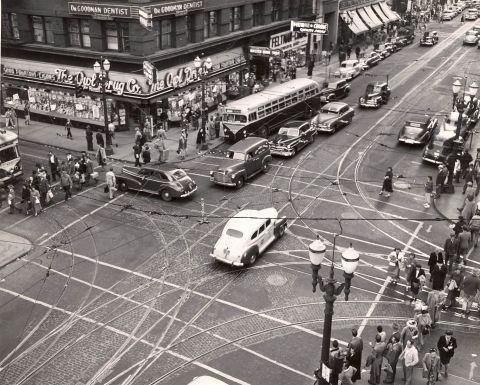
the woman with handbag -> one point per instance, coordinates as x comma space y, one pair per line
424, 323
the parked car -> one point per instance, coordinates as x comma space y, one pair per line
371, 59
398, 43
448, 15
383, 52
471, 14
243, 160
476, 28
376, 94
246, 236
349, 69
390, 47
333, 116
334, 91
429, 38
292, 137
418, 130
470, 38
440, 146
169, 184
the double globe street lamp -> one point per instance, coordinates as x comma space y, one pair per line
462, 102
101, 75
331, 288
203, 67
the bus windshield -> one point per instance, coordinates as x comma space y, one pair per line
9, 153
234, 118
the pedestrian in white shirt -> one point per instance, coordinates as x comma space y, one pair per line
410, 359
111, 182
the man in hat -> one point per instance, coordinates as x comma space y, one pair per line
431, 365
451, 250
53, 162
354, 355
410, 359
409, 333
446, 346
440, 180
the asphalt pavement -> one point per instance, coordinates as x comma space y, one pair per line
124, 290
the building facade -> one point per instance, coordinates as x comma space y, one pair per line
48, 54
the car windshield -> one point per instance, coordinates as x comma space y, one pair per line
234, 118
236, 155
234, 233
289, 131
332, 85
409, 130
178, 174
328, 111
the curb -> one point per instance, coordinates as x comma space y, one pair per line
439, 212
19, 255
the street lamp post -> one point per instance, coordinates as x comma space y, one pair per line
203, 67
101, 74
331, 288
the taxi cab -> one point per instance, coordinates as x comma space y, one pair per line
247, 235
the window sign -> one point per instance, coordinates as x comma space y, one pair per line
178, 8
287, 41
99, 9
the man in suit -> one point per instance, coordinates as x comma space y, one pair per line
354, 354
446, 346
451, 250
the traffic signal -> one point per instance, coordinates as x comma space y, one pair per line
78, 90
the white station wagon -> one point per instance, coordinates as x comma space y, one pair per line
247, 235
349, 69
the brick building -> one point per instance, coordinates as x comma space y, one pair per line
49, 48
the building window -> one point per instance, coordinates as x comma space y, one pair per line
189, 31
116, 36
79, 33
258, 14
42, 30
304, 8
165, 33
10, 25
276, 4
210, 26
235, 19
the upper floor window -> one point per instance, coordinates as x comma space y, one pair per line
42, 30
235, 19
276, 4
79, 33
10, 26
210, 27
258, 14
166, 33
117, 36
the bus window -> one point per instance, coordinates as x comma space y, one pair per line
8, 154
252, 117
261, 114
275, 107
268, 111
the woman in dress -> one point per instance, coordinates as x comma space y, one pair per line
394, 265
387, 183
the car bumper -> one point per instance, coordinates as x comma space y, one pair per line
282, 151
369, 104
466, 42
323, 129
187, 194
426, 43
432, 160
222, 182
409, 141
227, 261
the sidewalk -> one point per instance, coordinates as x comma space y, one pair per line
12, 247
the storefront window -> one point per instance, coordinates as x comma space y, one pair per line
42, 30
210, 25
10, 25
165, 34
117, 37
258, 14
235, 19
276, 10
79, 33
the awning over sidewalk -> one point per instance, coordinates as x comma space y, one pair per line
354, 22
388, 12
380, 13
372, 24
373, 16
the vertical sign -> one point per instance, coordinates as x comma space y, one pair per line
145, 18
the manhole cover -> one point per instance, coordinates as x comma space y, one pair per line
402, 185
276, 280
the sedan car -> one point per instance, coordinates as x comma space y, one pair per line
292, 137
375, 95
429, 39
334, 91
418, 130
470, 38
333, 116
383, 52
246, 236
448, 15
349, 69
471, 14
168, 184
370, 60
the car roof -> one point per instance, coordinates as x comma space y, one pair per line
294, 123
248, 220
336, 81
334, 106
247, 143
418, 119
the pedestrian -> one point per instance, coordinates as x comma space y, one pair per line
36, 204
182, 144
428, 191
68, 128
459, 225
211, 127
335, 362
43, 190
26, 197
310, 66
463, 245
375, 359
382, 333
89, 171
431, 366
450, 248
446, 346
349, 51
354, 354
11, 199
347, 374
357, 51
101, 157
53, 162
457, 170
409, 333
387, 183
99, 139
432, 262
329, 56
217, 125
440, 180
452, 292
462, 20
474, 227
200, 139
89, 138
26, 110
111, 181
66, 184
393, 351
424, 323
471, 290
146, 157
137, 153
465, 160
469, 177
410, 359
394, 265
138, 135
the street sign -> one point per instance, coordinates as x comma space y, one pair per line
145, 18
150, 72
309, 27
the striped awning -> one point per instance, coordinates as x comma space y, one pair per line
388, 12
372, 24
378, 22
380, 13
354, 22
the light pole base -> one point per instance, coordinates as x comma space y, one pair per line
108, 150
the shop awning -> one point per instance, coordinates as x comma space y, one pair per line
373, 16
354, 22
380, 13
388, 12
366, 19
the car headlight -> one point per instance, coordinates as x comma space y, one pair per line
211, 173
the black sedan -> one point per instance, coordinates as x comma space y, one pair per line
292, 137
418, 130
168, 184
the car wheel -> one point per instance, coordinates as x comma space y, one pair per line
294, 151
266, 166
334, 129
312, 139
281, 231
347, 91
122, 186
239, 182
166, 196
253, 258
263, 132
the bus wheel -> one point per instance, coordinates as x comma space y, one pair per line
263, 132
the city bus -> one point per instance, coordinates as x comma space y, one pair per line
10, 165
263, 113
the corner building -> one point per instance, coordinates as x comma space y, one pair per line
49, 48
